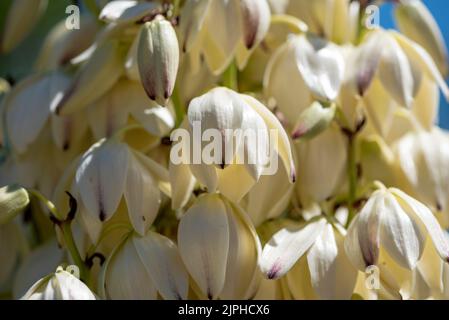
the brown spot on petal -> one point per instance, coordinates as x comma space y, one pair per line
102, 215
273, 273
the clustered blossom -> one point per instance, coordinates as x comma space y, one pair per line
347, 111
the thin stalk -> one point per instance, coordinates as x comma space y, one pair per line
230, 77
73, 250
179, 109
66, 230
352, 176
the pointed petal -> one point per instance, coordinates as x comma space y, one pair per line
368, 225
142, 196
125, 11
94, 78
425, 216
242, 258
420, 56
161, 259
101, 178
194, 13
400, 235
182, 182
203, 240
321, 65
137, 284
395, 72
287, 246
255, 21
283, 143
28, 107
416, 22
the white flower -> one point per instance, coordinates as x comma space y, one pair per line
331, 274
110, 170
61, 285
222, 109
303, 65
223, 29
220, 248
417, 23
158, 59
140, 267
394, 221
423, 158
321, 165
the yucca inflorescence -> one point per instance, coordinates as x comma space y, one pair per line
226, 149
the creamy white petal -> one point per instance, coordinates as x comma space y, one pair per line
101, 178
420, 56
395, 72
368, 225
161, 259
242, 258
287, 246
94, 78
126, 277
203, 240
400, 235
28, 107
321, 65
124, 11
425, 216
142, 196
283, 143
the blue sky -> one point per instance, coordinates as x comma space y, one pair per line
439, 9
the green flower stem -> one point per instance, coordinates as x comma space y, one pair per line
230, 77
65, 226
352, 175
46, 202
178, 106
73, 250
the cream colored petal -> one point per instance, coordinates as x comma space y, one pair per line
287, 246
161, 259
94, 78
126, 276
283, 143
400, 235
126, 11
321, 65
395, 72
203, 240
101, 177
425, 216
142, 196
242, 258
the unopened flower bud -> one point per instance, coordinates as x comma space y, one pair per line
314, 120
13, 200
158, 59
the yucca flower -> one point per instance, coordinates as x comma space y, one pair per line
61, 285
